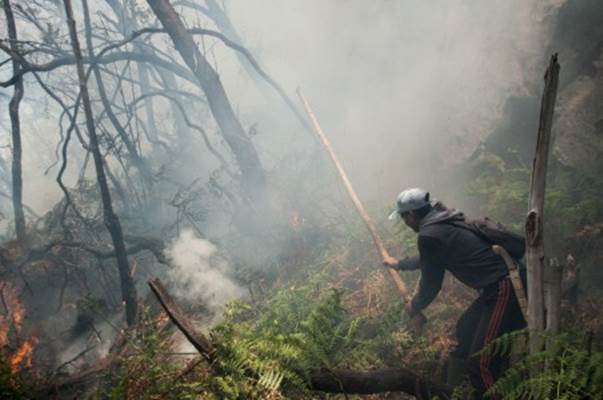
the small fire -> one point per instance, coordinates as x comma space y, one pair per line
13, 312
162, 320
23, 357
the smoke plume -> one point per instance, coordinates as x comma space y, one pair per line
199, 274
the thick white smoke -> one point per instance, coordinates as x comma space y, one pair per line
200, 276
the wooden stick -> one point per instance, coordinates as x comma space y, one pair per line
359, 207
515, 279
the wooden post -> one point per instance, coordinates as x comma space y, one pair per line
553, 297
534, 223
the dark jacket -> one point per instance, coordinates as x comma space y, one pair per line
444, 246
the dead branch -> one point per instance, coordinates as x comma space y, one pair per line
196, 338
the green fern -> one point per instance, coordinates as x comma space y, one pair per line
564, 370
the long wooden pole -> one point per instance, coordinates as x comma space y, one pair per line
359, 207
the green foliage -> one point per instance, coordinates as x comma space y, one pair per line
565, 369
572, 199
271, 354
148, 371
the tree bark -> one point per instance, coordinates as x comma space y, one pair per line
534, 223
253, 179
13, 108
128, 289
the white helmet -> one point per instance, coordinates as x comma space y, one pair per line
409, 200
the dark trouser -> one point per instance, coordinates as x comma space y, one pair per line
494, 313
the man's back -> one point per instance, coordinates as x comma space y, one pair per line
468, 257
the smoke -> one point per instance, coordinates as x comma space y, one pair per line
404, 89
199, 275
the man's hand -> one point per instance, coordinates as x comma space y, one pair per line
409, 310
391, 262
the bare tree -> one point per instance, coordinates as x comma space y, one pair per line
17, 178
112, 223
253, 179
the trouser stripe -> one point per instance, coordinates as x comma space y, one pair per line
493, 327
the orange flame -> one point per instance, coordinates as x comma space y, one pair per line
23, 357
14, 312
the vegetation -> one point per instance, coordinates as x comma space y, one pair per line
568, 367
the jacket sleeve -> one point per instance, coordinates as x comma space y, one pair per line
409, 264
432, 272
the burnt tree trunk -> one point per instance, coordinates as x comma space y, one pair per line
13, 108
252, 173
534, 223
128, 290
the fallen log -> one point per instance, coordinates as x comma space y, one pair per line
377, 381
324, 380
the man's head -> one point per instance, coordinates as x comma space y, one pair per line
412, 205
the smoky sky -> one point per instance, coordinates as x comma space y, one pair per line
404, 89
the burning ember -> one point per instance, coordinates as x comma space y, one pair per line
11, 320
23, 357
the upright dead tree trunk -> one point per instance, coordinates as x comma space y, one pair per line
128, 290
13, 107
553, 297
253, 179
534, 223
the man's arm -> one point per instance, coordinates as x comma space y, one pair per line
432, 273
409, 263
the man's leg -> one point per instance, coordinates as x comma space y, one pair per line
500, 314
465, 331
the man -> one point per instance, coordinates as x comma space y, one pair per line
446, 242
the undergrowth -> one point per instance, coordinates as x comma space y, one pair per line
567, 368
